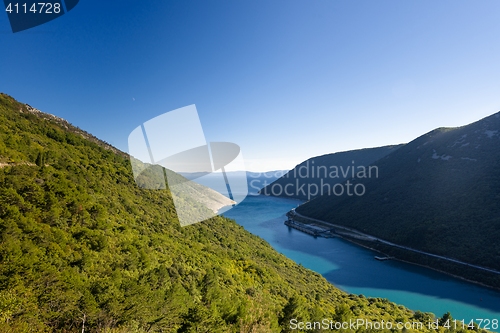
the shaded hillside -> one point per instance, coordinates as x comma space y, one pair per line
81, 243
439, 193
316, 176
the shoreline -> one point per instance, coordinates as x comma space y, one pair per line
422, 265
354, 234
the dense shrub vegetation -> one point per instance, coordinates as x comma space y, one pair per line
82, 247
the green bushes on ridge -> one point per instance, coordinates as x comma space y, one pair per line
81, 244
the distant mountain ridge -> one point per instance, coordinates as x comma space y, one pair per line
255, 180
321, 173
439, 193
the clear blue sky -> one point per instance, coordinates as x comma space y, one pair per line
286, 80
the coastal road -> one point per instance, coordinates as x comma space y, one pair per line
376, 239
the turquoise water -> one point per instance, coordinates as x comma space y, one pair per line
353, 269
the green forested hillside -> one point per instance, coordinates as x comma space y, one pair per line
439, 193
82, 248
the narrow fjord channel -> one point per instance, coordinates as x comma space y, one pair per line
354, 270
